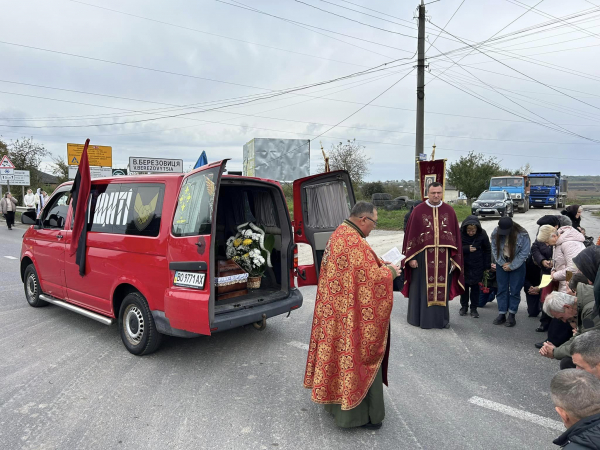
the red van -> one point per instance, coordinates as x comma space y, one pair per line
153, 244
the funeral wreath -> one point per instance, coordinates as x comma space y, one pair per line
247, 248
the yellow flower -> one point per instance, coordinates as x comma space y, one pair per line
247, 241
237, 242
246, 255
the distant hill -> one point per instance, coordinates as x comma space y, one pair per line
584, 186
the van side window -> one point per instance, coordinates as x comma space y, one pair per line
55, 213
195, 204
126, 208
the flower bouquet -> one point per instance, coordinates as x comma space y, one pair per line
251, 250
484, 285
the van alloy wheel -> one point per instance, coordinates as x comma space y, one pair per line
32, 287
134, 323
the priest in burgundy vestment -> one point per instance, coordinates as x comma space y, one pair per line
433, 266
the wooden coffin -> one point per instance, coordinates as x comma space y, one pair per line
231, 280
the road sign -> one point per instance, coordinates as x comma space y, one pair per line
155, 165
18, 178
98, 155
423, 156
95, 172
119, 172
6, 166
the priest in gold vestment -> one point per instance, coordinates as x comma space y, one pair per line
349, 342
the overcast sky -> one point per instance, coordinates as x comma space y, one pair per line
206, 41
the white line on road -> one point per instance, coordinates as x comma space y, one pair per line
10, 257
518, 413
299, 345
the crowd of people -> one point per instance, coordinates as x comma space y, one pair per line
31, 201
558, 272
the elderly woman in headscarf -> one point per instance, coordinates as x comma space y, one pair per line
588, 263
574, 212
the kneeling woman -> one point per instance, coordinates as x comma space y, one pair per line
510, 248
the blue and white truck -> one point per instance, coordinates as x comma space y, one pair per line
548, 189
517, 187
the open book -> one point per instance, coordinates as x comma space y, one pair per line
394, 256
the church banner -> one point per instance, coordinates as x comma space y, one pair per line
430, 172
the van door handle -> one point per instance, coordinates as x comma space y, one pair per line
60, 236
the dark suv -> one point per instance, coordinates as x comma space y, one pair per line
493, 203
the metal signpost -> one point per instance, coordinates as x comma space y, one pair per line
7, 168
155, 165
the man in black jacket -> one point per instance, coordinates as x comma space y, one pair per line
576, 396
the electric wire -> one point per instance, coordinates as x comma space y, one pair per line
312, 28
370, 15
354, 20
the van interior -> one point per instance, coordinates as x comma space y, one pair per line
242, 201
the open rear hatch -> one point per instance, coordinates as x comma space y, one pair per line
321, 203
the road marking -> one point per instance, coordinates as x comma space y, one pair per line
517, 413
10, 257
299, 345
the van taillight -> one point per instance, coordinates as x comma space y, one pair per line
295, 256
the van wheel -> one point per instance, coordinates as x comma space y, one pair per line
32, 287
138, 330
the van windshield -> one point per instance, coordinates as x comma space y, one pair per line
195, 204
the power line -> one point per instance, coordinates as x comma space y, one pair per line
449, 20
495, 34
511, 112
341, 121
312, 27
524, 74
378, 12
195, 30
370, 15
353, 20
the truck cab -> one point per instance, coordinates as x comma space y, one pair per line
516, 186
548, 189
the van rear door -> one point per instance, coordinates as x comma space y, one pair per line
321, 203
188, 304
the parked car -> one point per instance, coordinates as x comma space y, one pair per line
155, 244
381, 199
397, 203
493, 203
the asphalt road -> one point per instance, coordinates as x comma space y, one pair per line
67, 382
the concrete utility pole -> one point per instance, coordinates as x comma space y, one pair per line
419, 145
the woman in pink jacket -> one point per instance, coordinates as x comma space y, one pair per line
568, 246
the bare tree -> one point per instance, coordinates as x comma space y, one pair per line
349, 157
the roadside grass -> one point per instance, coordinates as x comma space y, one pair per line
584, 201
394, 220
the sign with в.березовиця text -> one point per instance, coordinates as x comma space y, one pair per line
155, 165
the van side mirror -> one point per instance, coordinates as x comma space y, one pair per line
29, 218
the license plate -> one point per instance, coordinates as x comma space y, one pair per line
189, 279
539, 201
486, 210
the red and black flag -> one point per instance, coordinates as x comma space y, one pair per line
80, 193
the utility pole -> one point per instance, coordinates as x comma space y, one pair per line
419, 145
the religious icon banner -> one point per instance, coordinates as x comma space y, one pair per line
430, 172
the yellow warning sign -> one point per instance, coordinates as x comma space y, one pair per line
99, 155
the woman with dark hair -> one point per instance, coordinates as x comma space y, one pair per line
588, 263
574, 212
510, 248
